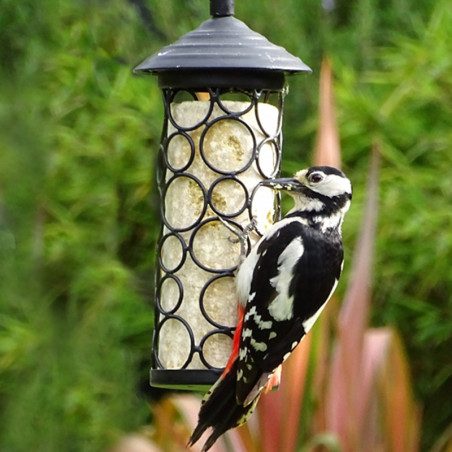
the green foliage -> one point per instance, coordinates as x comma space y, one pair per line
405, 103
78, 215
77, 223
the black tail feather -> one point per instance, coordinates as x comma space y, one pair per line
220, 410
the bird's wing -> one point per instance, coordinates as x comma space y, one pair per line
294, 276
262, 347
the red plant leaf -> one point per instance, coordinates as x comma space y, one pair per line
279, 411
327, 149
296, 371
343, 396
402, 416
354, 313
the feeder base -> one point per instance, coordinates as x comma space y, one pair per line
188, 380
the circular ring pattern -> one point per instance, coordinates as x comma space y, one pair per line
210, 248
225, 143
274, 132
165, 294
214, 346
223, 200
178, 112
209, 301
254, 198
176, 150
170, 258
185, 202
166, 343
236, 100
268, 154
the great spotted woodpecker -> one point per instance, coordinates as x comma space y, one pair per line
282, 287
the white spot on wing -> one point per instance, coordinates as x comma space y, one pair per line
251, 312
261, 324
247, 333
265, 325
281, 308
246, 270
259, 346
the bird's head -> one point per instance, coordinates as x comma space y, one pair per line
319, 190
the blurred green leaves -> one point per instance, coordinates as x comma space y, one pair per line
78, 216
77, 225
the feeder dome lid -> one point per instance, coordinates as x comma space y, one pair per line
220, 45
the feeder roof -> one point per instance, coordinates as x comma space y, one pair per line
223, 43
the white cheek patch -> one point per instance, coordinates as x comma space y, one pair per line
332, 185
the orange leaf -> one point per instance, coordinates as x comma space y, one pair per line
327, 149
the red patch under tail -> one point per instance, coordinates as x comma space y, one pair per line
236, 340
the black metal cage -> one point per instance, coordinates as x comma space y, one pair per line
223, 93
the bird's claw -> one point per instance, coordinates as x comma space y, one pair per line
242, 235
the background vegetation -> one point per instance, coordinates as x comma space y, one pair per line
78, 220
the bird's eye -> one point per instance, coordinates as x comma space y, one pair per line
315, 178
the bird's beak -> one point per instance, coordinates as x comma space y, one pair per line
285, 183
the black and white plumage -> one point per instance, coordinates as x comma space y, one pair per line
282, 287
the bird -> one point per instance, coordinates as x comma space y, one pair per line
282, 286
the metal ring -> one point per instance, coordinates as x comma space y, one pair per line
279, 107
208, 128
160, 249
159, 294
210, 197
180, 127
193, 255
220, 102
165, 151
202, 294
226, 332
190, 333
164, 193
277, 155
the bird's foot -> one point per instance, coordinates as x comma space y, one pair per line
241, 234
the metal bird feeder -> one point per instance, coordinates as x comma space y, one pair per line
223, 88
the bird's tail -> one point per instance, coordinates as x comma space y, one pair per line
220, 410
